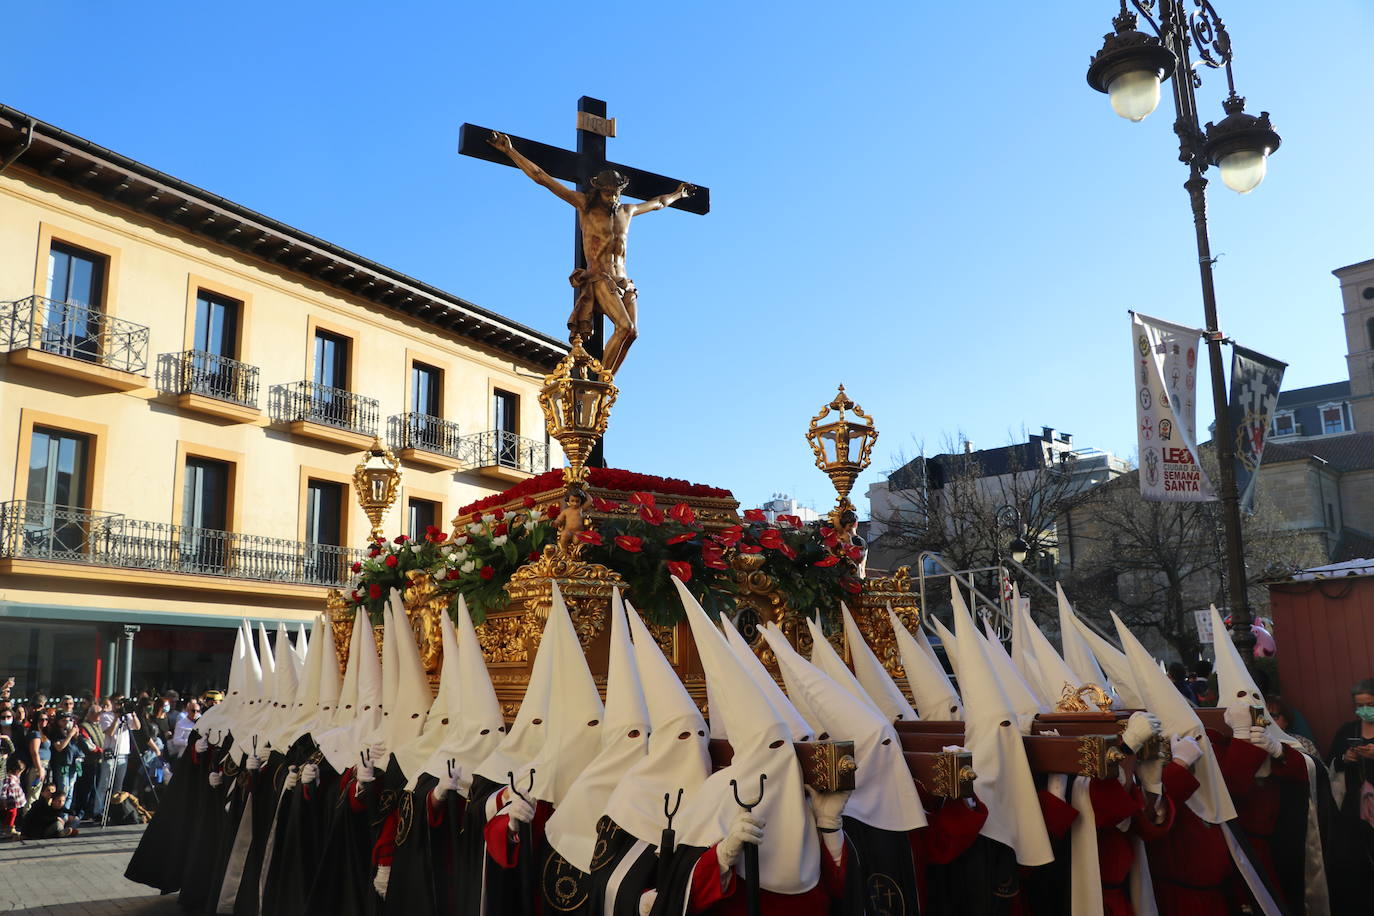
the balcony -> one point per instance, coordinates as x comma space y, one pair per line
422, 439
65, 540
74, 341
325, 413
504, 455
210, 384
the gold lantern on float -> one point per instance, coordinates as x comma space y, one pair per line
376, 479
576, 399
843, 446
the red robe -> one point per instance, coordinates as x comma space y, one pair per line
1190, 863
1257, 798
1112, 803
708, 896
951, 827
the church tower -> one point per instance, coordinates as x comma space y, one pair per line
1357, 295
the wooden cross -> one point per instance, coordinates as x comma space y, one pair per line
593, 127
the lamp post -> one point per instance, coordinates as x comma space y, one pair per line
1130, 68
375, 480
843, 447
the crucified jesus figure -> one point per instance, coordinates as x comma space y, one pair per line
605, 224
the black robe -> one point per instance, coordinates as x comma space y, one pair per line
299, 834
881, 871
423, 864
567, 889
265, 791
985, 880
675, 891
161, 852
476, 877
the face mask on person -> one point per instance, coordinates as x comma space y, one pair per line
1366, 713
7, 720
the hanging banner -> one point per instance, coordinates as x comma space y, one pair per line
1165, 381
1255, 381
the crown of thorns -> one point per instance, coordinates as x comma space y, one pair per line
610, 180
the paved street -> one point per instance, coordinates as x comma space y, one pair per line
80, 876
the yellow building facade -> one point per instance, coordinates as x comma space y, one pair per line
185, 389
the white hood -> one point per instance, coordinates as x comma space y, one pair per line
1005, 783
824, 657
479, 725
306, 707
1023, 698
530, 730
799, 726
1212, 800
1078, 655
1115, 664
405, 714
219, 717
415, 755
327, 691
1051, 673
936, 699
343, 744
950, 643
678, 755
1234, 681
789, 857
884, 792
872, 676
624, 740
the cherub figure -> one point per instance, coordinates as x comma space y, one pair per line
569, 520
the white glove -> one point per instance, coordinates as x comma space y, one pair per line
1187, 751
1140, 727
1150, 775
202, 744
747, 828
365, 773
252, 762
309, 773
646, 902
293, 776
380, 882
827, 808
1261, 737
447, 784
1237, 716
518, 811
216, 778
1058, 785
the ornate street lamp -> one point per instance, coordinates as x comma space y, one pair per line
1130, 67
576, 399
376, 480
843, 446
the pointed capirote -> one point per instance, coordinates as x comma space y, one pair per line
678, 755
824, 657
336, 739
800, 727
950, 643
1115, 664
789, 857
530, 730
872, 676
1019, 650
346, 709
479, 724
1212, 801
1022, 697
302, 641
624, 740
1052, 674
405, 717
414, 755
1234, 681
575, 712
328, 688
1078, 655
365, 731
285, 685
935, 698
884, 792
219, 718
306, 707
1005, 783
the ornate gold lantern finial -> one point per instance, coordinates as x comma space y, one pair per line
833, 443
576, 400
376, 480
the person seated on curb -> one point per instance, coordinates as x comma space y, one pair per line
48, 817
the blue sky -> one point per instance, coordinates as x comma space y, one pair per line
923, 201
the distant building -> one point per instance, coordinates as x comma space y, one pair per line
1309, 413
1325, 485
782, 504
1357, 297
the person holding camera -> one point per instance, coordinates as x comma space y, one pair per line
1352, 760
114, 758
64, 763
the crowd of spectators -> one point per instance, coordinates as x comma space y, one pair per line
72, 761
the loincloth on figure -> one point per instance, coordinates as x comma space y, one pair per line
585, 282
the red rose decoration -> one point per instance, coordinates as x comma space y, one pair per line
356, 596
476, 517
790, 521
854, 552
374, 590
682, 570
771, 538
828, 561
651, 516
486, 572
441, 536
372, 551
499, 514
534, 555
683, 514
590, 537
391, 561
499, 530
401, 538
452, 574
553, 512
853, 586
527, 502
755, 515
357, 567
681, 538
629, 543
831, 540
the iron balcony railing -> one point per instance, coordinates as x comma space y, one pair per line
73, 330
424, 432
208, 374
498, 448
43, 531
324, 404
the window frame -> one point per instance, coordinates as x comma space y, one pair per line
97, 435
48, 233
1291, 417
1339, 408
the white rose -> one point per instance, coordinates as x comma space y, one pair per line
475, 528
459, 556
459, 541
488, 519
467, 567
499, 540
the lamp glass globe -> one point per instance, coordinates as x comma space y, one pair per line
1134, 94
1243, 170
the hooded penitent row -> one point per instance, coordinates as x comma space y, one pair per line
309, 793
